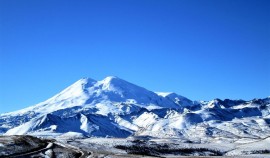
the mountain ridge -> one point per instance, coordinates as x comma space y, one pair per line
113, 107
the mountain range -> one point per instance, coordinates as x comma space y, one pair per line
114, 107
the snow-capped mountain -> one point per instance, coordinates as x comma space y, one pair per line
116, 108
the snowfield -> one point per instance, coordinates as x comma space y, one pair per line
114, 108
168, 147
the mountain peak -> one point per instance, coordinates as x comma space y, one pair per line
81, 84
110, 79
85, 80
114, 83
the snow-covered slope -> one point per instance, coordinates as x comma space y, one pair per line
114, 107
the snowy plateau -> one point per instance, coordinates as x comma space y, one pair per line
115, 112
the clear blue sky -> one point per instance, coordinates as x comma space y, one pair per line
201, 49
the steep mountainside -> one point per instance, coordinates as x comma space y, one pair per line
116, 108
